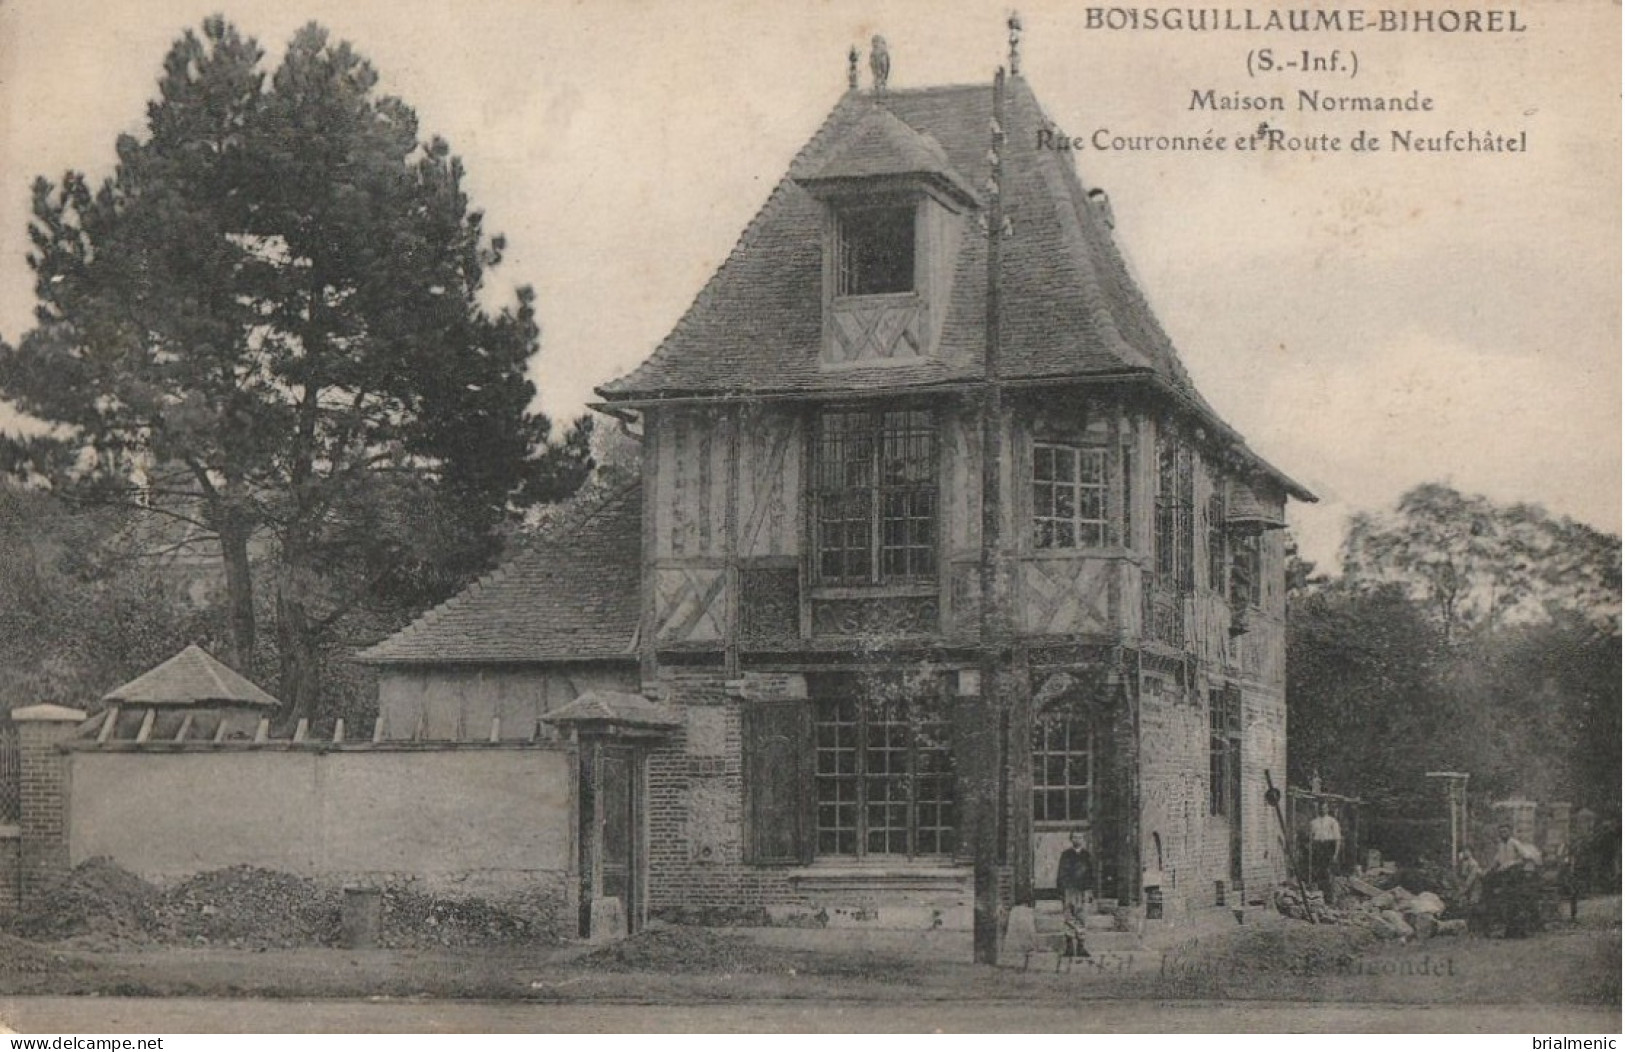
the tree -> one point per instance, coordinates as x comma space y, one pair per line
268, 326
1478, 564
1463, 635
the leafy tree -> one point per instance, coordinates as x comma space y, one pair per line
269, 327
1463, 635
1478, 564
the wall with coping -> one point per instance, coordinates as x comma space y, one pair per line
494, 821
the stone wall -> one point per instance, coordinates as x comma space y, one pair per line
493, 821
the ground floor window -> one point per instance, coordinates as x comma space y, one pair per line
883, 774
1063, 766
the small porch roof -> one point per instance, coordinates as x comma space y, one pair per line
616, 708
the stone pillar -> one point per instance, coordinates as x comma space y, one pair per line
1520, 815
43, 820
1556, 827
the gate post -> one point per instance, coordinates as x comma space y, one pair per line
43, 795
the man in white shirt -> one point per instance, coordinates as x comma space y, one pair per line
1325, 846
1511, 886
1512, 853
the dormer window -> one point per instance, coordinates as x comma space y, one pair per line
894, 218
875, 250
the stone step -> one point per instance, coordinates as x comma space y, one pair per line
1099, 964
1102, 940
1092, 922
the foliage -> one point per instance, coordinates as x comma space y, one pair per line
1463, 635
269, 327
1361, 678
1477, 564
83, 610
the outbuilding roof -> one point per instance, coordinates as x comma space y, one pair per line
191, 677
571, 595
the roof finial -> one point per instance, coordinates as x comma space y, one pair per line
879, 62
1014, 22
852, 68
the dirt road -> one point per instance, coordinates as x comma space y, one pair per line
100, 1015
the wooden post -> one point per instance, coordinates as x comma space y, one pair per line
338, 730
733, 430
986, 752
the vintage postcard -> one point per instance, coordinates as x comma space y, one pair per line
835, 517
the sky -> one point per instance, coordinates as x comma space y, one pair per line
1369, 321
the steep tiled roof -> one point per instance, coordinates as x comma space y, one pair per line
1070, 306
191, 677
571, 595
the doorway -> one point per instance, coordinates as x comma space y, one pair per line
612, 849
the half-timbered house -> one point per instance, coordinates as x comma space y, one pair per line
935, 540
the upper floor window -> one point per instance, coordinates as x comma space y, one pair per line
1070, 483
1218, 559
1224, 752
875, 250
1247, 570
876, 496
1175, 555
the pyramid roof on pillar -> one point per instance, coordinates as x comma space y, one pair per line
192, 677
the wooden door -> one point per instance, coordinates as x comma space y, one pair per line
611, 832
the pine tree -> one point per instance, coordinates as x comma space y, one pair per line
267, 326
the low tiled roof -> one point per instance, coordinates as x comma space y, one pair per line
1071, 309
613, 706
571, 595
191, 677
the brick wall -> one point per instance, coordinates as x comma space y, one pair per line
1174, 794
696, 809
10, 869
1263, 748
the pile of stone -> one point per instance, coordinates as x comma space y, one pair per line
246, 907
415, 920
99, 903
1389, 913
101, 906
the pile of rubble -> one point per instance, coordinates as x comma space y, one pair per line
414, 920
245, 906
98, 903
1389, 913
102, 906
